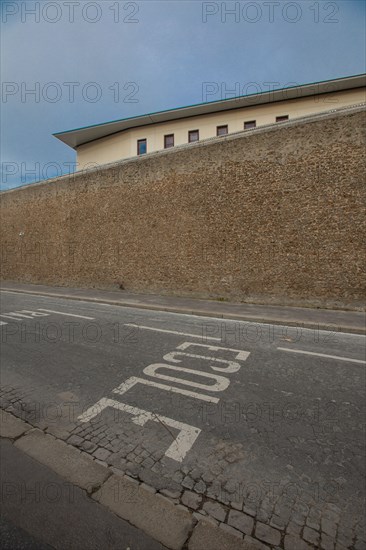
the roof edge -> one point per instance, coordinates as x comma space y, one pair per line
74, 138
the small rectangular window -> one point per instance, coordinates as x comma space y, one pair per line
193, 135
222, 130
250, 124
168, 141
141, 146
282, 118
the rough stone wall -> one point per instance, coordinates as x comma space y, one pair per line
276, 215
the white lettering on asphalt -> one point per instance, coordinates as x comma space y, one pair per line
241, 354
67, 314
180, 446
221, 382
173, 332
188, 434
231, 368
9, 317
33, 313
337, 357
125, 386
19, 315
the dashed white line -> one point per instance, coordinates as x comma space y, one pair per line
172, 332
67, 314
337, 357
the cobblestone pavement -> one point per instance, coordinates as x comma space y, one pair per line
295, 513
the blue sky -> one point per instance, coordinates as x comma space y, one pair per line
90, 62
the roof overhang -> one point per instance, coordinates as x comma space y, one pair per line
80, 136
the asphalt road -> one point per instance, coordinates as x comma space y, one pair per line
264, 412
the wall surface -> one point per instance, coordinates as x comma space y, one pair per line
124, 144
276, 215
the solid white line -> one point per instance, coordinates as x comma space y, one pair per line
180, 446
173, 332
67, 314
338, 357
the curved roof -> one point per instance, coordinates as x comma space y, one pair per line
80, 136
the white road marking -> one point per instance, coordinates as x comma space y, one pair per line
67, 314
220, 385
187, 433
125, 386
9, 317
232, 365
241, 354
33, 313
337, 357
173, 332
21, 315
180, 446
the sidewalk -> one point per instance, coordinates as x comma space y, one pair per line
65, 499
45, 507
321, 319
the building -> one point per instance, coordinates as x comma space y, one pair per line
121, 139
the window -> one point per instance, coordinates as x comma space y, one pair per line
168, 141
141, 146
281, 118
222, 130
250, 124
193, 135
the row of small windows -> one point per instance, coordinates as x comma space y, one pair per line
194, 135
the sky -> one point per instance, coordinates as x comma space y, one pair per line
69, 64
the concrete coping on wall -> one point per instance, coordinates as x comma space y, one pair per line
333, 113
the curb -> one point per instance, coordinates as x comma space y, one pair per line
173, 525
200, 313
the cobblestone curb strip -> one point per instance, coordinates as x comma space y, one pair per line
169, 523
188, 520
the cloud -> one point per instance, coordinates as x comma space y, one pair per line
83, 72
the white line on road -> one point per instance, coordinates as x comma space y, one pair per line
125, 386
338, 357
19, 314
67, 314
173, 332
180, 446
10, 317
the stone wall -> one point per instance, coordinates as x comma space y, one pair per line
275, 215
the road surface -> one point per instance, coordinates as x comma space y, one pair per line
265, 419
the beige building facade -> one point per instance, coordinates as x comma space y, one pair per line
126, 138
